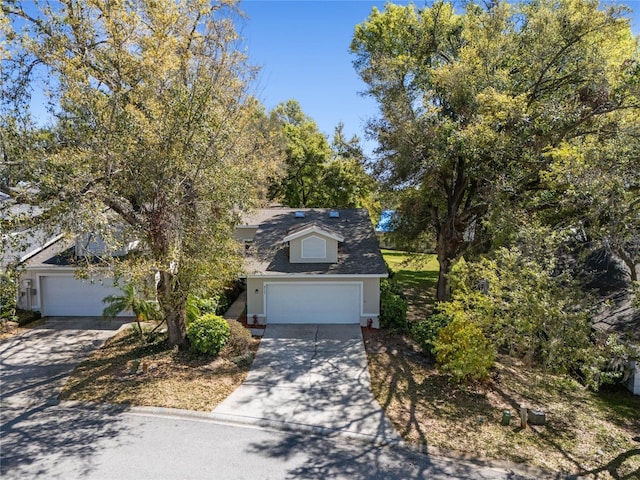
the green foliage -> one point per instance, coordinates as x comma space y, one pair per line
524, 307
463, 351
476, 108
8, 292
240, 339
131, 300
426, 332
317, 174
635, 291
215, 303
608, 363
156, 136
198, 306
393, 307
208, 334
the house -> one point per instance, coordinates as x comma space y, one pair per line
301, 266
312, 266
49, 284
617, 315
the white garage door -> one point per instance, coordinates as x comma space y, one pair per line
67, 296
313, 303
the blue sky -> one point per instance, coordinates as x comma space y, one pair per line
303, 49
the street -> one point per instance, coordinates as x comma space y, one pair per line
98, 442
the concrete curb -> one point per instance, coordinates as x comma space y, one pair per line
238, 420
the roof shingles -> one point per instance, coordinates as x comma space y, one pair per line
359, 254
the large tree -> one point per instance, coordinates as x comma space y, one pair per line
306, 152
474, 104
156, 137
316, 173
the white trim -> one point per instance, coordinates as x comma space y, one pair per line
266, 284
27, 256
312, 229
313, 237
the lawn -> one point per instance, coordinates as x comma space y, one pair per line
126, 371
417, 274
591, 434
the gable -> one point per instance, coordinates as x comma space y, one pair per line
351, 245
313, 247
306, 230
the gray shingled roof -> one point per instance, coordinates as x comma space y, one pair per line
359, 254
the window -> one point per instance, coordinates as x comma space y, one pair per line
314, 247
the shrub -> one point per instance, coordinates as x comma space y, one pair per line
463, 351
240, 340
426, 331
208, 334
8, 291
607, 363
393, 308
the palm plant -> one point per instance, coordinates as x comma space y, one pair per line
144, 310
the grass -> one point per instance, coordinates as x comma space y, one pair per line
124, 371
417, 274
591, 434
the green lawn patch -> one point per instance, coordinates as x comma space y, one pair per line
416, 274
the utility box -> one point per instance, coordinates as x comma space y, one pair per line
536, 417
506, 418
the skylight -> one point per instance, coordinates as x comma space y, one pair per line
299, 214
334, 214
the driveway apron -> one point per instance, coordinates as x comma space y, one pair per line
35, 364
310, 377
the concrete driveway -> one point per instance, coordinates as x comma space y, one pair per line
35, 364
312, 377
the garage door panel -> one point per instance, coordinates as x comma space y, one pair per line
67, 296
313, 303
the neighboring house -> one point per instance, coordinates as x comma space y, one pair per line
302, 266
617, 314
312, 266
48, 283
17, 245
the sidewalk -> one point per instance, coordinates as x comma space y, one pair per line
236, 310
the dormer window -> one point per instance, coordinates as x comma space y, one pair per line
313, 243
314, 247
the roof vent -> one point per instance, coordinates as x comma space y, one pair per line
334, 214
299, 214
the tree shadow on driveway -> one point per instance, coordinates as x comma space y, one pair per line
34, 429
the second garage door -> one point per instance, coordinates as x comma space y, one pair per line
67, 296
313, 302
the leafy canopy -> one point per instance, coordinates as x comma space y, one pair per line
155, 136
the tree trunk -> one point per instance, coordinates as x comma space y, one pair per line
443, 291
449, 246
174, 311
